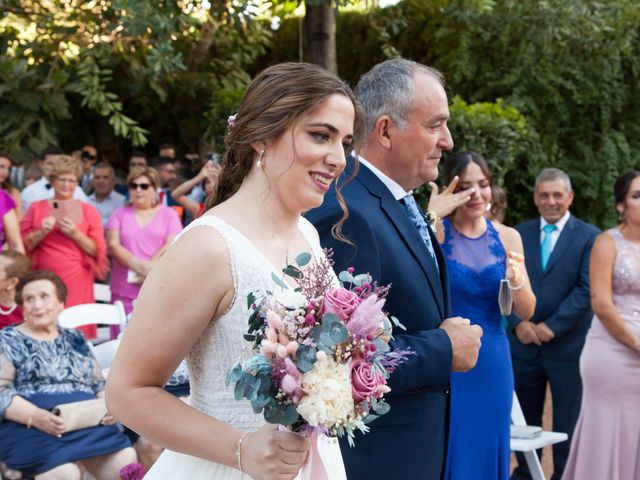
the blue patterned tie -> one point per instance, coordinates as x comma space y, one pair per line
545, 247
417, 218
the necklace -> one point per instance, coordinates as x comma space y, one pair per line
9, 311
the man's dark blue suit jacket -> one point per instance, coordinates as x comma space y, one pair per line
409, 442
562, 290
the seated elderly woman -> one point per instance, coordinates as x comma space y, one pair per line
41, 366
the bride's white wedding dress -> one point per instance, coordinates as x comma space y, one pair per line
219, 348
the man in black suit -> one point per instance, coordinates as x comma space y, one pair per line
407, 111
557, 247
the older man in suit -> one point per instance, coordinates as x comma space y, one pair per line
557, 247
407, 112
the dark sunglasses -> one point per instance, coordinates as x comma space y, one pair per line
87, 155
142, 186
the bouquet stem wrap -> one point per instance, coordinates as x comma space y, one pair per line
324, 461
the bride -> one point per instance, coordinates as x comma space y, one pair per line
285, 146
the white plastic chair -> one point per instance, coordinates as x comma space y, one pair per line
90, 313
528, 446
102, 293
105, 353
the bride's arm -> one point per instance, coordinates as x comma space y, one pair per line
189, 286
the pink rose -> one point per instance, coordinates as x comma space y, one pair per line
341, 302
365, 381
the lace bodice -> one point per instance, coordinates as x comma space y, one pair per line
476, 266
222, 344
626, 272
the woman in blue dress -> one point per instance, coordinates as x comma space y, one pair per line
479, 255
41, 366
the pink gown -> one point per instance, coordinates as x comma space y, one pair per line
606, 441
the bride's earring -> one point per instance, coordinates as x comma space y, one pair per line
259, 162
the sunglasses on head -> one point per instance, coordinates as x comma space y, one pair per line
142, 186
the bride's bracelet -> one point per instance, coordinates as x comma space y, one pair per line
239, 450
517, 287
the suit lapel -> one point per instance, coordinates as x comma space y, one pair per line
563, 243
398, 217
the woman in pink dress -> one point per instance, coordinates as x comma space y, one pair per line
138, 234
65, 236
606, 441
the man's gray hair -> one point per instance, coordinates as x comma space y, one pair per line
389, 89
551, 175
105, 165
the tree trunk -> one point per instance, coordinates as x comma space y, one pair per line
320, 23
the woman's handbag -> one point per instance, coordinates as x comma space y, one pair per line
83, 414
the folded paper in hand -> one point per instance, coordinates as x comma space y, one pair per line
83, 414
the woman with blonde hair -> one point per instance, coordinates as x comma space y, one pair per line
285, 146
138, 234
65, 236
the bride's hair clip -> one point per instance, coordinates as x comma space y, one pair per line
231, 121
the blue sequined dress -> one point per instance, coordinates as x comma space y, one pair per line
481, 398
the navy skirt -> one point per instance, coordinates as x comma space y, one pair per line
33, 452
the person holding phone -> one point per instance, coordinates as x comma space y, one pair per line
65, 236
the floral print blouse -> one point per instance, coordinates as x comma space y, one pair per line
29, 366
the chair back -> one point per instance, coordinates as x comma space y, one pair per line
106, 352
102, 293
93, 313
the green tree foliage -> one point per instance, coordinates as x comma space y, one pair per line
75, 71
570, 67
506, 140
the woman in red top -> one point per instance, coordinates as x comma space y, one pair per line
13, 266
65, 236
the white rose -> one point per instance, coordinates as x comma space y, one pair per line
328, 399
291, 300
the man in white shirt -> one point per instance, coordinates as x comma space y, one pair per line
41, 189
104, 197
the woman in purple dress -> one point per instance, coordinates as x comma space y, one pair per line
606, 441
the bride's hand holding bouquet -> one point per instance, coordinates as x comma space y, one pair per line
322, 358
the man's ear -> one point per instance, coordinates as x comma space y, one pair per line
381, 131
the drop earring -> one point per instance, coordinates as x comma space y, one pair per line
259, 162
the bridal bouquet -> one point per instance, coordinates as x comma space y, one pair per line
321, 360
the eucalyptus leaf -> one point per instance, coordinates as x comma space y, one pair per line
303, 259
279, 282
345, 277
397, 323
370, 418
361, 279
381, 408
292, 271
251, 298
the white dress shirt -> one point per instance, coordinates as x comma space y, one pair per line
107, 205
396, 190
556, 233
41, 190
